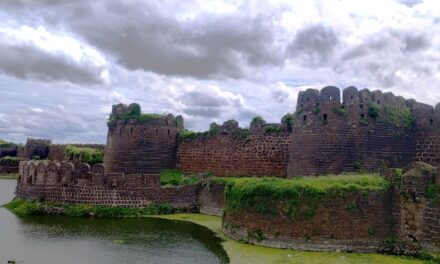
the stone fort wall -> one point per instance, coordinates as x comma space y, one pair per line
331, 135
146, 146
84, 184
259, 154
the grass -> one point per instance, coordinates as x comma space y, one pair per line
241, 253
257, 194
23, 207
87, 155
175, 177
12, 176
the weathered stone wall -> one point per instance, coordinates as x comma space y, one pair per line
358, 223
81, 184
211, 199
333, 137
259, 154
141, 147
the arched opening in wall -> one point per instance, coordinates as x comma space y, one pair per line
378, 101
120, 131
308, 99
131, 131
366, 100
431, 122
168, 132
157, 132
325, 119
304, 119
351, 97
361, 106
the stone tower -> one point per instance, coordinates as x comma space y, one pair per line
140, 143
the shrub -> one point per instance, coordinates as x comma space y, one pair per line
341, 111
258, 120
87, 155
373, 110
134, 114
10, 161
288, 121
272, 129
214, 128
400, 116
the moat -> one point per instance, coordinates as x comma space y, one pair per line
49, 239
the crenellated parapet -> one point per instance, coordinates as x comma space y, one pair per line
67, 174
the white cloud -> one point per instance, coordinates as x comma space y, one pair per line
209, 61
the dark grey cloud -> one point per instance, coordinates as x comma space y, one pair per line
140, 35
313, 44
26, 61
199, 98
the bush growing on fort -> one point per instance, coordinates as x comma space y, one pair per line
87, 155
272, 129
373, 110
134, 114
341, 111
10, 161
246, 193
288, 121
400, 116
258, 120
175, 177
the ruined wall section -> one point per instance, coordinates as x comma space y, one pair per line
63, 182
141, 145
336, 224
258, 153
427, 134
330, 136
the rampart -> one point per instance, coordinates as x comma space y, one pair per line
139, 143
232, 151
84, 184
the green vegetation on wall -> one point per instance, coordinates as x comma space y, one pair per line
87, 155
341, 111
271, 128
396, 114
25, 208
259, 194
10, 161
258, 120
134, 114
288, 121
175, 177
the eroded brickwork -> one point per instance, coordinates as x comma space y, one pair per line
259, 154
81, 184
357, 222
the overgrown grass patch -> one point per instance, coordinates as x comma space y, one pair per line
258, 194
26, 208
87, 155
175, 177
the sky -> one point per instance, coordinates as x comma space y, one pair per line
63, 64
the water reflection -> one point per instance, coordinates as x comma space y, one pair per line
51, 239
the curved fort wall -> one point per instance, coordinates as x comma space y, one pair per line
64, 182
140, 145
332, 136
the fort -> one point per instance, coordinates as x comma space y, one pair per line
331, 132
